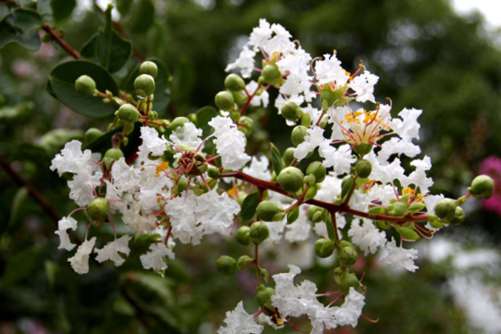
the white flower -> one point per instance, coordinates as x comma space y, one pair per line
407, 126
239, 321
366, 236
349, 312
330, 189
80, 261
259, 168
193, 216
63, 225
71, 159
230, 143
398, 146
397, 258
124, 178
340, 158
329, 70
418, 176
155, 257
152, 143
271, 38
313, 139
187, 135
384, 171
112, 249
244, 63
363, 85
300, 229
261, 99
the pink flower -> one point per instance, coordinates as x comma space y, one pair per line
492, 167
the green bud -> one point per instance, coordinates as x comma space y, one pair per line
310, 180
293, 215
347, 253
345, 279
247, 124
397, 209
306, 119
112, 155
239, 97
266, 210
310, 193
407, 233
178, 122
259, 232
317, 170
346, 186
92, 134
458, 215
445, 208
377, 210
148, 67
128, 113
291, 179
315, 213
144, 85
363, 149
298, 134
213, 172
243, 235
417, 207
182, 183
288, 155
224, 100
263, 295
271, 74
234, 82
226, 264
98, 209
291, 111
243, 261
85, 84
362, 168
324, 247
482, 186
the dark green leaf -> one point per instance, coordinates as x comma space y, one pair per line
249, 206
62, 9
204, 115
142, 16
17, 203
276, 159
22, 264
61, 86
21, 26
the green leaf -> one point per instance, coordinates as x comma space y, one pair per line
204, 115
276, 159
21, 265
62, 9
249, 206
107, 47
21, 27
142, 16
61, 86
17, 204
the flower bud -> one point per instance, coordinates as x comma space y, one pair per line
243, 235
298, 134
310, 180
234, 82
317, 170
98, 209
345, 279
346, 186
306, 119
267, 210
311, 193
85, 84
178, 122
91, 135
213, 172
271, 74
482, 186
362, 168
226, 264
239, 97
148, 67
144, 85
397, 209
316, 214
224, 100
263, 295
445, 208
458, 215
417, 207
291, 111
112, 155
347, 253
293, 215
243, 261
128, 113
291, 179
407, 233
362, 149
247, 124
259, 232
288, 155
324, 247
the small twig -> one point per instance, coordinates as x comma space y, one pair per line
60, 41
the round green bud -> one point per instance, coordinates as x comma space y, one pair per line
345, 279
243, 235
267, 210
397, 209
85, 84
445, 208
347, 185
482, 186
310, 180
247, 124
315, 213
458, 215
213, 172
291, 111
306, 119
263, 295
291, 179
347, 253
148, 67
324, 247
317, 170
363, 149
288, 155
243, 261
128, 113
239, 97
298, 134
98, 209
112, 155
259, 232
234, 82
92, 134
226, 264
144, 84
224, 100
178, 122
271, 73
363, 168
407, 233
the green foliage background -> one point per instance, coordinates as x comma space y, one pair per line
425, 54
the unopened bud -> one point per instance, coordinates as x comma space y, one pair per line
92, 134
291, 111
291, 179
317, 170
144, 85
482, 186
324, 247
298, 134
259, 232
98, 209
243, 235
128, 113
267, 210
148, 67
234, 82
224, 100
112, 155
226, 264
271, 74
363, 168
85, 84
178, 122
445, 208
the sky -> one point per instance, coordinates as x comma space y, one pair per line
491, 9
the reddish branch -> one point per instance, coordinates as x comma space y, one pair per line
56, 36
331, 207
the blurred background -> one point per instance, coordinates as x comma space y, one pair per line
437, 55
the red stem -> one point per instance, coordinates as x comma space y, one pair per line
60, 41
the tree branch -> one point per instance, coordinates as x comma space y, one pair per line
60, 41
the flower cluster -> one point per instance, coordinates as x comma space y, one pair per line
342, 182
